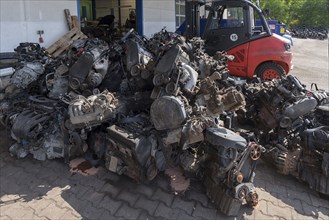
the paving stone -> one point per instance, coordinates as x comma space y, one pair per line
167, 198
108, 176
110, 189
258, 214
146, 204
52, 212
92, 181
11, 161
298, 195
166, 212
292, 203
77, 190
199, 197
263, 207
183, 215
298, 216
298, 186
91, 212
83, 207
245, 212
324, 210
5, 217
49, 176
62, 169
127, 212
275, 210
56, 191
63, 182
323, 213
14, 210
203, 212
2, 164
60, 201
128, 197
187, 206
247, 217
146, 190
309, 210
145, 216
22, 177
278, 188
260, 183
110, 204
76, 178
34, 167
92, 196
11, 198
264, 172
39, 205
222, 216
126, 183
317, 201
69, 215
162, 182
106, 215
264, 195
37, 186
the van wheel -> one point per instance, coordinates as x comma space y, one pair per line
270, 71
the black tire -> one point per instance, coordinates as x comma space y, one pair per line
270, 71
8, 59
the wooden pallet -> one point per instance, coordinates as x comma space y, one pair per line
64, 42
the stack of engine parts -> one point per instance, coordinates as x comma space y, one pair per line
291, 122
139, 106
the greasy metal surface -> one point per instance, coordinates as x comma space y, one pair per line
144, 137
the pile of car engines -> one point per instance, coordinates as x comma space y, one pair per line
292, 123
138, 106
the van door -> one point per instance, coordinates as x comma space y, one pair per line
228, 26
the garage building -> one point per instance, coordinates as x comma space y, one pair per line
22, 19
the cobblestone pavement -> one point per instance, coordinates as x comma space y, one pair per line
31, 189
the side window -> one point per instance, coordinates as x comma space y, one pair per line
179, 12
257, 27
232, 17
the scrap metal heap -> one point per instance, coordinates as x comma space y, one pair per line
292, 124
139, 106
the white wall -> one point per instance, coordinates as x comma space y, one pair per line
20, 20
157, 14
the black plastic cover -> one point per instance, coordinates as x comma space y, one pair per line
225, 138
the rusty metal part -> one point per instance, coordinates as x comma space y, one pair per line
219, 195
255, 151
252, 199
267, 116
94, 109
287, 162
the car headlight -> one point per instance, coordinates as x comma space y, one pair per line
287, 46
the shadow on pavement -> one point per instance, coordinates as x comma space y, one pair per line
49, 189
282, 193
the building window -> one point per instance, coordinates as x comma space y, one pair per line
180, 12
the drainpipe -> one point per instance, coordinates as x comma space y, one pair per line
79, 8
119, 10
93, 8
139, 17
